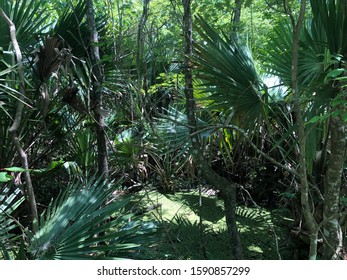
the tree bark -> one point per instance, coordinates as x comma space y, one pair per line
13, 130
236, 20
333, 237
190, 103
304, 185
140, 56
97, 96
228, 193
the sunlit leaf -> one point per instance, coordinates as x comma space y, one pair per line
16, 169
4, 177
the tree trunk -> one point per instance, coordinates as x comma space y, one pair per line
190, 103
228, 193
140, 55
236, 16
226, 188
333, 237
304, 185
96, 96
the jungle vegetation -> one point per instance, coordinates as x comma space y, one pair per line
173, 129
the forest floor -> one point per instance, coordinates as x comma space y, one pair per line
264, 233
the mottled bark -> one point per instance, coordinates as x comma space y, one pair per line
13, 130
97, 96
188, 74
333, 237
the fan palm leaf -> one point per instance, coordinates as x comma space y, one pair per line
311, 55
77, 225
320, 43
10, 199
22, 14
172, 131
72, 27
331, 15
228, 73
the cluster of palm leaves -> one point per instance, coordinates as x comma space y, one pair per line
83, 222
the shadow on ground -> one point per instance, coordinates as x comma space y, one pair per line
179, 217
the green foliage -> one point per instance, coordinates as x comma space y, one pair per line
29, 19
82, 149
10, 200
228, 73
79, 225
127, 148
172, 128
5, 177
331, 17
72, 27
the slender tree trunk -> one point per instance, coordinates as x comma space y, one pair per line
140, 56
304, 185
190, 103
119, 40
97, 96
13, 130
236, 16
226, 188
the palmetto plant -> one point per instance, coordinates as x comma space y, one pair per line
82, 223
227, 71
235, 90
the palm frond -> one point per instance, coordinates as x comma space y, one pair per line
22, 14
228, 73
78, 225
172, 131
10, 199
331, 15
311, 54
72, 27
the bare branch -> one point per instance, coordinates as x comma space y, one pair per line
18, 117
20, 105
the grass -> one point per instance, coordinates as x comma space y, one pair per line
178, 216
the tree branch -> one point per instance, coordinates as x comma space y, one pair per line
18, 117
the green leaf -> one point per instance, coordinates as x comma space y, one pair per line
227, 71
317, 119
248, 3
343, 201
16, 169
338, 102
4, 177
333, 74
